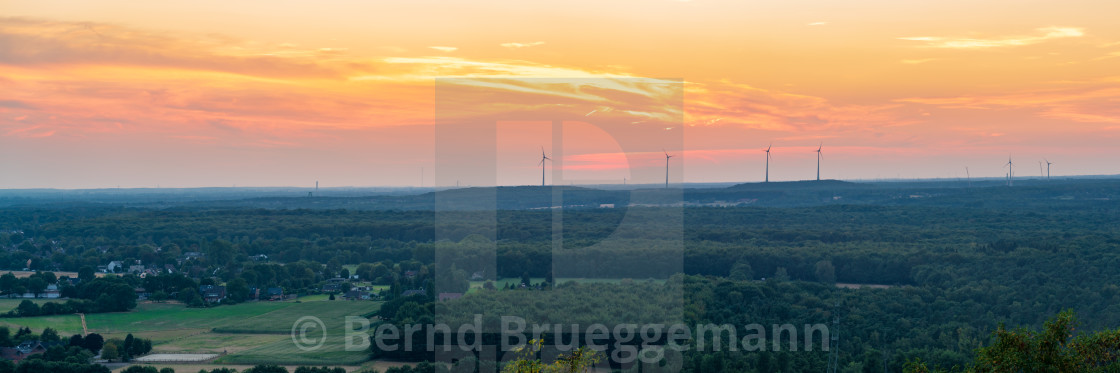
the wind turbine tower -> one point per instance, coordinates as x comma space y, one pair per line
819, 156
768, 162
969, 176
1047, 169
1010, 172
543, 159
667, 156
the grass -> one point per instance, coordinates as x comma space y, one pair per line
11, 304
158, 336
187, 368
285, 352
163, 316
208, 342
23, 274
65, 324
333, 314
251, 333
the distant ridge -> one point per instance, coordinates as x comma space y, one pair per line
803, 184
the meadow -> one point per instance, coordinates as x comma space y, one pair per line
8, 304
247, 333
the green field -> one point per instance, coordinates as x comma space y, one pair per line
11, 304
209, 342
333, 314
251, 333
162, 317
284, 351
64, 324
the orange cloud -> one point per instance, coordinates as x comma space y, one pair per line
522, 45
1087, 103
1044, 34
33, 43
740, 104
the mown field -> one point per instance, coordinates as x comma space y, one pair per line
248, 333
378, 366
7, 304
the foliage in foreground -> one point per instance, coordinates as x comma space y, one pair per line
579, 361
1055, 349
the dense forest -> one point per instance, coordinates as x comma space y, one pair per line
950, 264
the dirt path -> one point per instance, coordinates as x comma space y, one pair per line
85, 331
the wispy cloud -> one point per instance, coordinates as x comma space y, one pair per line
817, 24
729, 103
918, 61
444, 49
16, 104
522, 45
1043, 34
425, 68
1087, 102
36, 43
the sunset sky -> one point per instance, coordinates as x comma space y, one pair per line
284, 93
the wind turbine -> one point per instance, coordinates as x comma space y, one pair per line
543, 158
667, 156
1010, 172
969, 176
819, 156
1040, 172
768, 162
1047, 168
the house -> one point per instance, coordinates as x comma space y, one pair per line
259, 258
409, 293
52, 292
25, 349
275, 294
142, 294
478, 276
212, 293
330, 288
31, 347
136, 268
449, 296
114, 267
409, 274
357, 295
11, 354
